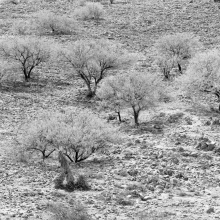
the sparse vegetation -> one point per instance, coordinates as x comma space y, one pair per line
174, 50
77, 135
136, 90
23, 27
90, 11
82, 183
75, 212
38, 136
48, 22
70, 148
27, 53
202, 75
109, 98
92, 61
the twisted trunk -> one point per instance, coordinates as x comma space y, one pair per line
66, 174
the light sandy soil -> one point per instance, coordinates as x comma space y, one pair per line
158, 173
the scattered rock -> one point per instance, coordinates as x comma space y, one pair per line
137, 141
112, 117
188, 120
194, 154
146, 198
122, 172
216, 122
217, 150
133, 172
175, 117
210, 210
206, 145
207, 123
124, 201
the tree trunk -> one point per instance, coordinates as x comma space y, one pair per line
119, 116
65, 174
90, 93
26, 77
179, 68
43, 154
166, 74
217, 93
136, 114
76, 156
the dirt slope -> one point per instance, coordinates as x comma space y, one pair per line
159, 173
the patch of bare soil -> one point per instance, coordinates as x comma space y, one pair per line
169, 168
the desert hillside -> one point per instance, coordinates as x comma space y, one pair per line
67, 76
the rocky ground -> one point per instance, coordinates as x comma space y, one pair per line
169, 168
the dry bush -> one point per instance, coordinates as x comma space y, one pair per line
27, 53
93, 60
21, 155
166, 66
75, 212
202, 76
38, 135
176, 49
48, 22
91, 11
77, 134
7, 72
109, 98
136, 90
81, 183
23, 27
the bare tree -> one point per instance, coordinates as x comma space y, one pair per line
174, 49
27, 52
77, 134
136, 90
202, 76
93, 60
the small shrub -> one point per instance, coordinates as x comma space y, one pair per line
202, 76
58, 182
49, 23
27, 53
75, 212
21, 156
23, 27
166, 66
91, 11
174, 49
82, 183
7, 72
110, 100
